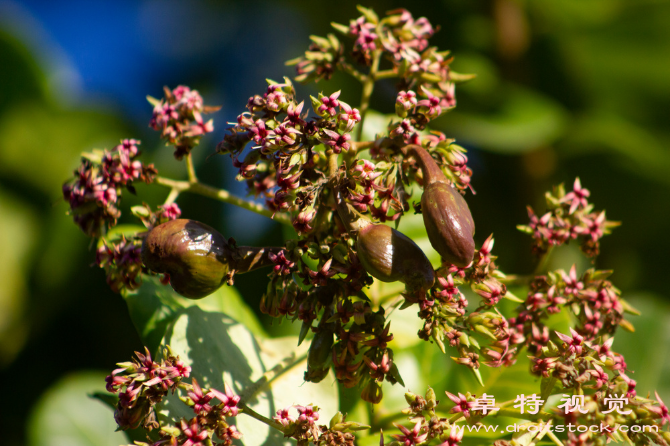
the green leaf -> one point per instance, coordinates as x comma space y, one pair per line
66, 415
525, 121
154, 306
220, 350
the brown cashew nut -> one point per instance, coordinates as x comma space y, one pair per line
385, 253
198, 259
446, 214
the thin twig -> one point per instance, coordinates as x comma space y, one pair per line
190, 168
347, 68
172, 197
253, 414
386, 74
368, 86
222, 195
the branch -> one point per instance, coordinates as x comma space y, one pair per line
253, 414
386, 74
221, 195
368, 86
190, 168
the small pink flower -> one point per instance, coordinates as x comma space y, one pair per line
283, 417
462, 404
193, 433
410, 437
350, 116
329, 104
283, 265
432, 103
200, 401
229, 400
336, 141
577, 198
572, 285
661, 411
406, 99
455, 436
170, 211
574, 344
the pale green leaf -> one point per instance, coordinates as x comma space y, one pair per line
220, 350
66, 415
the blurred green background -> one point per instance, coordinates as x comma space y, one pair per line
564, 89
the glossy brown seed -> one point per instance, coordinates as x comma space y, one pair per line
448, 223
446, 214
389, 255
196, 256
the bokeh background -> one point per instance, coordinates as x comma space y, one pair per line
564, 89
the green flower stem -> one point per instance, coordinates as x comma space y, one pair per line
454, 418
221, 195
386, 74
362, 145
368, 87
253, 414
172, 196
190, 168
360, 77
333, 165
275, 372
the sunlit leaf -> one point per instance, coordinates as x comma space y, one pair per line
220, 350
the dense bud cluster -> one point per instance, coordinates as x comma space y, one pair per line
143, 383
570, 216
95, 191
178, 116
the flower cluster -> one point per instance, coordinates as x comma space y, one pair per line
427, 425
299, 422
122, 262
601, 309
605, 410
178, 116
570, 216
283, 163
95, 191
377, 190
143, 383
446, 315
